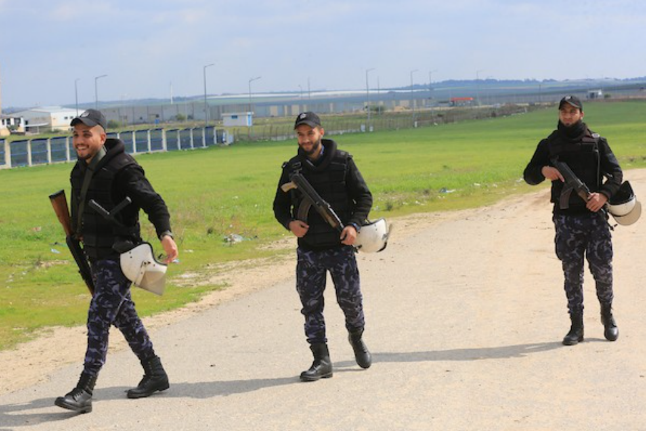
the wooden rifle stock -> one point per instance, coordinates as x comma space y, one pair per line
59, 203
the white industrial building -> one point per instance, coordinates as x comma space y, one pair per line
47, 118
10, 124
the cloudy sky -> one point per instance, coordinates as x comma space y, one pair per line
148, 47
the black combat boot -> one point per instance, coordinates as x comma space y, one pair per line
361, 353
155, 379
80, 398
576, 331
610, 330
321, 367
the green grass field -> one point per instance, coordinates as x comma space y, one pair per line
219, 191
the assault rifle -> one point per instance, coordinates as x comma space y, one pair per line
572, 183
59, 203
312, 198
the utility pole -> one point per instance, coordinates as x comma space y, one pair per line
412, 99
478, 86
76, 96
430, 94
206, 110
368, 97
96, 91
250, 81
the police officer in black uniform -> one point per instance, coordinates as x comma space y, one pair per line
582, 229
321, 249
106, 174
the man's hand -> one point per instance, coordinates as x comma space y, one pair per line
170, 248
596, 201
348, 235
551, 173
299, 228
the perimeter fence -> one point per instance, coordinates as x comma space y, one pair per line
39, 151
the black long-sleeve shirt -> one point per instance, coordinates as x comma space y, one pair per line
608, 167
108, 190
356, 189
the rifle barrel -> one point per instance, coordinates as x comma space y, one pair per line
59, 203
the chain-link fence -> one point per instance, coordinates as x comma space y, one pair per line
282, 129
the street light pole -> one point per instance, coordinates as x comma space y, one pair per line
430, 93
250, 81
478, 85
412, 100
368, 97
430, 83
206, 111
76, 95
300, 104
96, 92
378, 93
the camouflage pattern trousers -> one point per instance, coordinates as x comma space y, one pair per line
112, 305
311, 271
579, 236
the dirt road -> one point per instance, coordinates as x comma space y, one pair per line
465, 315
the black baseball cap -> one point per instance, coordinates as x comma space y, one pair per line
91, 118
572, 100
307, 118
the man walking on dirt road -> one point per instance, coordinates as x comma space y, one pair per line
580, 220
106, 174
321, 248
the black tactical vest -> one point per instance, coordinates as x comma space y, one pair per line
97, 232
330, 183
583, 158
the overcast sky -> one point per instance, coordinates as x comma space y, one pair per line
145, 45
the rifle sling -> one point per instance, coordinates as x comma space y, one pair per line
89, 172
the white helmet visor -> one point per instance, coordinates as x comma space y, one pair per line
373, 237
624, 207
140, 266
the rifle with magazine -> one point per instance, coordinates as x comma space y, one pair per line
572, 183
59, 203
373, 236
312, 198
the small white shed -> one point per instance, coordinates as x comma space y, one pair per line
237, 119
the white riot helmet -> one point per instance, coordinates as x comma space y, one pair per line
140, 266
624, 207
373, 237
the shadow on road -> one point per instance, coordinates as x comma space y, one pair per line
14, 415
21, 415
224, 387
11, 416
515, 351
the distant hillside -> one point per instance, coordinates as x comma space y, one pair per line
490, 89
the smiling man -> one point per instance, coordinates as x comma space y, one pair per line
321, 248
106, 174
582, 229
